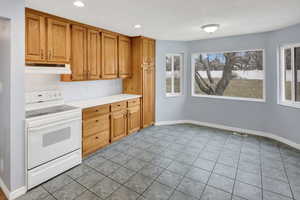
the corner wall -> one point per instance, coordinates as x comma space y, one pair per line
266, 116
169, 108
14, 93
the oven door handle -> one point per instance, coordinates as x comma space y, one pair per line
54, 124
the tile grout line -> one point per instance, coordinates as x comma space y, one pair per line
237, 169
285, 171
261, 170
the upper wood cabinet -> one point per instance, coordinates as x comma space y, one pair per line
58, 41
94, 54
151, 53
109, 56
35, 38
47, 39
78, 51
124, 47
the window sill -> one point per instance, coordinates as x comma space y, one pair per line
231, 98
289, 104
173, 95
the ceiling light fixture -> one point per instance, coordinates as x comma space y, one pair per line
78, 4
137, 26
210, 28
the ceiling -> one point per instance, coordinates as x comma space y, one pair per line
178, 19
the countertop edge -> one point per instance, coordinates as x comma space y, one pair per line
88, 103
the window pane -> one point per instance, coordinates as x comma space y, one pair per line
297, 73
288, 74
177, 74
231, 74
169, 74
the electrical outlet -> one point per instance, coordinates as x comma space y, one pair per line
1, 165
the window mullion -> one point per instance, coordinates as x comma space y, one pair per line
293, 74
172, 76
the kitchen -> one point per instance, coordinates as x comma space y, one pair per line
90, 53
97, 103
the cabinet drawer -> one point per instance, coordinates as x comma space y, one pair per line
95, 142
118, 106
133, 102
95, 111
95, 124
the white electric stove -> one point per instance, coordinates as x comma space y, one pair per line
53, 136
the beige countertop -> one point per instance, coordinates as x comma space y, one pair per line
102, 100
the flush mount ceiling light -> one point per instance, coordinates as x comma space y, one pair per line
210, 28
137, 26
78, 4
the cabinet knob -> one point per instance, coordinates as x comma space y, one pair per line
97, 120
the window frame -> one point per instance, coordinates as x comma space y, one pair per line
173, 93
263, 100
281, 100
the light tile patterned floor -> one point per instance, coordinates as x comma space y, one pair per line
181, 162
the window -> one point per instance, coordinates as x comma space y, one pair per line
174, 64
290, 75
232, 75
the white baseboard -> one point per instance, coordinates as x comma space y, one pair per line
12, 195
235, 129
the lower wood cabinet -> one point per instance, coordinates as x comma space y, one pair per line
118, 125
134, 119
108, 123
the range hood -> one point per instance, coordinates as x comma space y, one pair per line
48, 69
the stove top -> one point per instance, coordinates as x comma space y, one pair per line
48, 111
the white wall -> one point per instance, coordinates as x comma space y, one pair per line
73, 90
5, 30
14, 91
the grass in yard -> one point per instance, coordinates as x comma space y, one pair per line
240, 88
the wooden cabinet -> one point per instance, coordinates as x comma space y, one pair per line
35, 38
78, 63
142, 81
58, 41
118, 125
109, 123
96, 128
94, 54
124, 56
148, 96
110, 56
47, 39
134, 116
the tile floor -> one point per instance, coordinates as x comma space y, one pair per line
181, 162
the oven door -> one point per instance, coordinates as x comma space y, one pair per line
51, 141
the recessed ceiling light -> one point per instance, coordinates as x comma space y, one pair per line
210, 28
78, 4
137, 26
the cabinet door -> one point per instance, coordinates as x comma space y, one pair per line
124, 57
109, 56
148, 96
58, 41
118, 125
78, 63
145, 51
35, 38
151, 53
134, 119
93, 54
